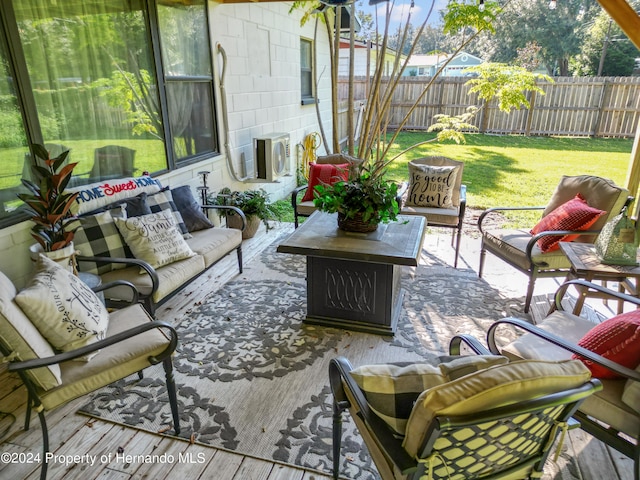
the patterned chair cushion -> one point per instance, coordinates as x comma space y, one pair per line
324, 174
617, 339
154, 238
106, 192
64, 309
431, 186
392, 389
575, 214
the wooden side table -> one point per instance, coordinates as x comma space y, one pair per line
585, 264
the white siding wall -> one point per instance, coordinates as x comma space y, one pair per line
359, 64
262, 82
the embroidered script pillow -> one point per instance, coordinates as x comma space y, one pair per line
154, 238
65, 310
431, 186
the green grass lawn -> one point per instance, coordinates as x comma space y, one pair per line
516, 170
149, 156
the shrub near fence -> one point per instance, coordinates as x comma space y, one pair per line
580, 106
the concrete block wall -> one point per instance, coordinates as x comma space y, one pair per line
262, 84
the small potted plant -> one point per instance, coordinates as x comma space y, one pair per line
362, 202
50, 206
255, 205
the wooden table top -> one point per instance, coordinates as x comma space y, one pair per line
395, 243
585, 261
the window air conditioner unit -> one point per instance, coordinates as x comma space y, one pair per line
272, 155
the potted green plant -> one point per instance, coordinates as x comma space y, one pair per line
50, 206
254, 204
363, 201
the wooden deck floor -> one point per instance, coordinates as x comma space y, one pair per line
73, 434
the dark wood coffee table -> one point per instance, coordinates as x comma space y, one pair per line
353, 279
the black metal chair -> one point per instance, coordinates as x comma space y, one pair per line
134, 341
498, 431
607, 415
519, 248
112, 161
451, 217
306, 208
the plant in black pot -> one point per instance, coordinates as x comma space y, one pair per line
254, 204
49, 205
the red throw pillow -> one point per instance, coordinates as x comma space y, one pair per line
575, 214
617, 339
324, 174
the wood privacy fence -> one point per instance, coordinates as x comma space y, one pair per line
581, 106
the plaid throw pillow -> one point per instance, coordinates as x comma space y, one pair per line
98, 236
392, 389
576, 214
162, 200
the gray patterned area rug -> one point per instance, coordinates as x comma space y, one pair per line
253, 378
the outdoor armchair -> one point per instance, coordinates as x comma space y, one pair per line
448, 215
534, 253
495, 422
304, 207
611, 415
133, 342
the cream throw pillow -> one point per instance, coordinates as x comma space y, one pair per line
154, 238
431, 186
65, 310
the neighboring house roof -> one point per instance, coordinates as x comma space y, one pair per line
462, 58
427, 65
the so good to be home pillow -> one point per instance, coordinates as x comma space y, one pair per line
431, 186
154, 238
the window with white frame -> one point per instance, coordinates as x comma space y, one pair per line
306, 72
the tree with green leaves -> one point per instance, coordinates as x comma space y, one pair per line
558, 32
606, 50
465, 21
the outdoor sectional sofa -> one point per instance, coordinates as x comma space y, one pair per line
138, 208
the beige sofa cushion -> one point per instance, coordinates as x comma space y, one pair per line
22, 338
214, 243
171, 277
113, 363
493, 387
